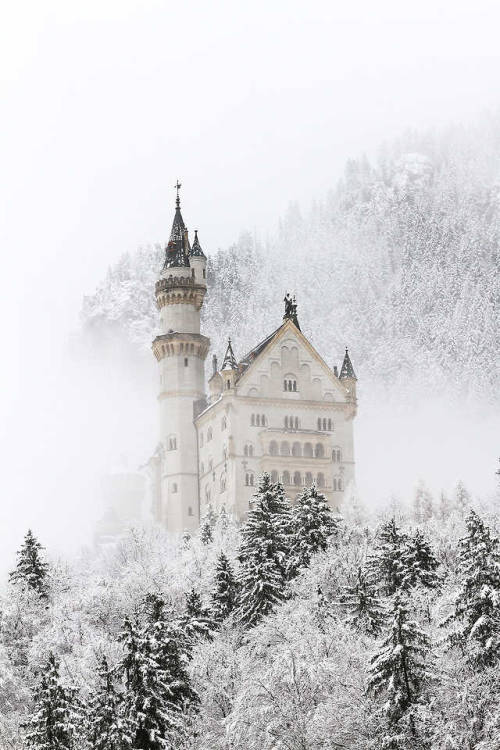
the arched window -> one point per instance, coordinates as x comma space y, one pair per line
274, 476
340, 484
228, 384
250, 450
296, 423
308, 450
330, 425
294, 385
249, 479
285, 448
273, 448
286, 477
190, 510
297, 480
296, 450
321, 480
186, 361
258, 420
319, 423
174, 488
223, 423
222, 482
309, 478
252, 420
336, 455
319, 451
324, 424
209, 434
290, 383
285, 385
335, 484
172, 443
263, 420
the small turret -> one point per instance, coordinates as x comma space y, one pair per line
229, 370
348, 376
177, 251
198, 261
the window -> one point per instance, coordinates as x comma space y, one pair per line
309, 478
336, 455
340, 485
321, 480
291, 423
285, 448
222, 482
286, 423
174, 488
204, 274
330, 425
190, 510
186, 361
192, 272
209, 434
273, 448
286, 477
248, 449
319, 451
324, 424
252, 420
223, 423
274, 476
319, 423
263, 420
297, 480
296, 450
289, 384
249, 479
296, 423
308, 450
228, 385
257, 420
172, 443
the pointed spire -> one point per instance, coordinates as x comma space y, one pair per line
291, 309
196, 250
230, 362
177, 250
347, 370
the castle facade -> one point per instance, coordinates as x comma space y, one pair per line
281, 409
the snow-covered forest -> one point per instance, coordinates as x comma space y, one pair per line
299, 630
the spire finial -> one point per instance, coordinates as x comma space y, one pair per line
177, 186
230, 362
291, 309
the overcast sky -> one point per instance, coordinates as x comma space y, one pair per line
250, 104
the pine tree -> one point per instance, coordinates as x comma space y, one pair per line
206, 533
225, 591
31, 570
477, 604
196, 621
361, 599
263, 554
107, 729
54, 722
401, 668
313, 525
385, 562
462, 499
422, 504
419, 563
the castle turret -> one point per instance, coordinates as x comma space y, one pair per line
348, 376
181, 351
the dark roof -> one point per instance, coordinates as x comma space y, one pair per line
347, 370
196, 250
230, 362
253, 353
177, 250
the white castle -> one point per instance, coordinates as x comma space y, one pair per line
280, 409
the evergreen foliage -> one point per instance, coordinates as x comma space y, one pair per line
476, 613
313, 525
462, 499
197, 618
418, 563
206, 533
386, 561
106, 727
364, 605
56, 716
31, 570
225, 590
264, 550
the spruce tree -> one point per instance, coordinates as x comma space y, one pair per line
56, 716
106, 727
265, 546
31, 570
313, 525
462, 499
385, 562
477, 604
365, 607
197, 620
206, 533
401, 668
418, 563
225, 591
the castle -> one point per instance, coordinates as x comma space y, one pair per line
280, 409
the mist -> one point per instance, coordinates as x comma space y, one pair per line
104, 106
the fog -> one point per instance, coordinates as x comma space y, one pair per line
103, 106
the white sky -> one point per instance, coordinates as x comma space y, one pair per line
251, 104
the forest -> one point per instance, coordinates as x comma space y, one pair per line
300, 629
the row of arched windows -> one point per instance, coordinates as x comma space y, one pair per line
291, 423
296, 479
248, 450
258, 420
296, 449
325, 424
210, 432
338, 484
289, 385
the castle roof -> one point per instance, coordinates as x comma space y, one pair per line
347, 370
178, 249
230, 362
196, 250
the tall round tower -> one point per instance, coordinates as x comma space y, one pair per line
181, 351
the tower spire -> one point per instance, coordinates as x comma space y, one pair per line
347, 370
178, 249
230, 362
196, 250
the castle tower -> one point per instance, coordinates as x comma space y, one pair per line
180, 350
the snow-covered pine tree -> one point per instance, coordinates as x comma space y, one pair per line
419, 563
313, 525
264, 549
476, 613
364, 605
31, 570
422, 503
385, 562
196, 621
462, 499
225, 590
56, 717
401, 668
107, 729
206, 533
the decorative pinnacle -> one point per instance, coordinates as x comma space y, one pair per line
177, 186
